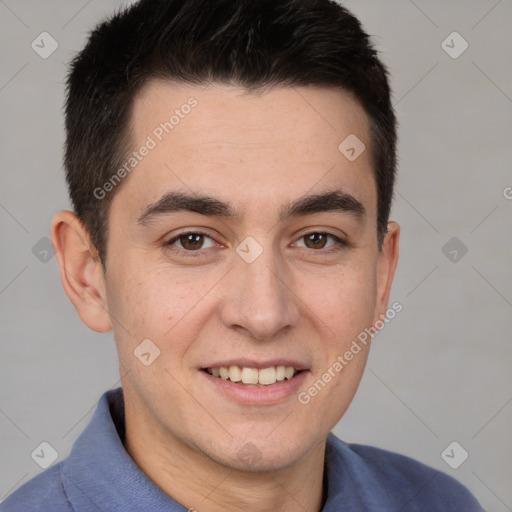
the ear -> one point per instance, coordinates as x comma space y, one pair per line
388, 259
81, 272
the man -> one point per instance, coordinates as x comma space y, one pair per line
231, 166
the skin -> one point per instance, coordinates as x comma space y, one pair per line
257, 152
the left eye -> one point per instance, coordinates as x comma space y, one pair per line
320, 240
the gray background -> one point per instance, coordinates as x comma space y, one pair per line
440, 372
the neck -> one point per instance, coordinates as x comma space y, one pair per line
199, 483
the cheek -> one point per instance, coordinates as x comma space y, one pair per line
344, 312
152, 304
344, 300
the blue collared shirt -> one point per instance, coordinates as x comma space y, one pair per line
99, 475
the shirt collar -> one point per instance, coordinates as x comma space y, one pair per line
100, 473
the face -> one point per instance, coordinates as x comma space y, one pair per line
242, 242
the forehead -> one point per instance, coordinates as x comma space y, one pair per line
318, 114
246, 147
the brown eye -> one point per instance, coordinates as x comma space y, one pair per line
321, 242
191, 241
316, 240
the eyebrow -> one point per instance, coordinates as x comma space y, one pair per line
330, 201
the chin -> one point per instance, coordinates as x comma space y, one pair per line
259, 453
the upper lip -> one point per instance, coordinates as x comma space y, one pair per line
252, 363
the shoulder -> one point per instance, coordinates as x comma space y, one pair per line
43, 493
387, 477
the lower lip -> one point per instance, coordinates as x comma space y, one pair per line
249, 394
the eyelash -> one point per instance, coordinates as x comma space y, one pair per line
338, 245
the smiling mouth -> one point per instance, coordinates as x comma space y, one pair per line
254, 376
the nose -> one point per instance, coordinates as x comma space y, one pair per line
258, 297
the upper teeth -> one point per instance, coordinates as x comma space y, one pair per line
264, 376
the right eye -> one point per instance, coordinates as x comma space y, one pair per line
191, 241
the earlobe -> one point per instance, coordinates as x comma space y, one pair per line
80, 270
388, 260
